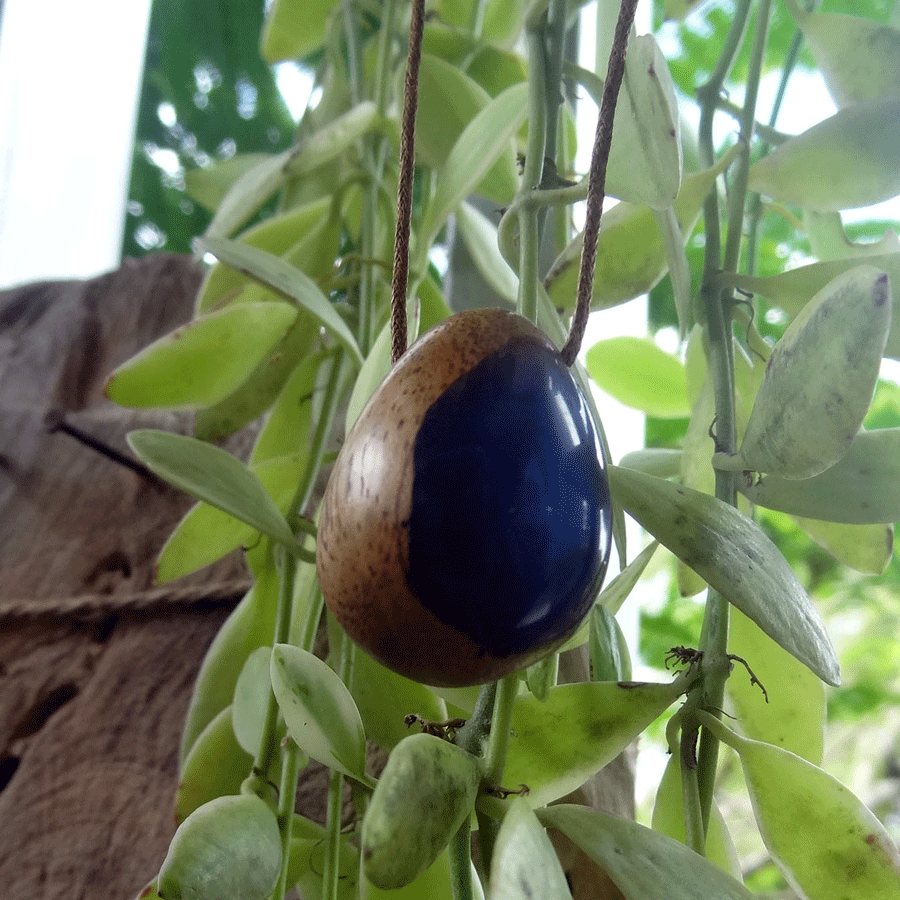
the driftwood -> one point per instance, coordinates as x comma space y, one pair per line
96, 663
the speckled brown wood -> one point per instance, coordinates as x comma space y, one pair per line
363, 538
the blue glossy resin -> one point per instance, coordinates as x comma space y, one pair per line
509, 529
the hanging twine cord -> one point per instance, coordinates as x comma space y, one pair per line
597, 180
404, 187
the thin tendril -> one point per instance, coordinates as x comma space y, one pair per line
404, 187
597, 180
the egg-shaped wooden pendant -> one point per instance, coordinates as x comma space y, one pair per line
465, 529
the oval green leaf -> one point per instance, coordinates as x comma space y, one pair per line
819, 380
733, 555
556, 744
864, 486
214, 475
641, 375
791, 714
822, 837
643, 864
525, 865
847, 161
319, 712
216, 767
201, 362
286, 280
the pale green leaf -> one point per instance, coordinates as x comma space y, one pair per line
482, 142
822, 837
216, 766
319, 712
643, 864
209, 185
668, 819
204, 361
863, 487
276, 235
525, 865
637, 373
211, 474
480, 237
286, 280
556, 744
791, 714
251, 695
206, 533
294, 28
865, 548
801, 425
733, 555
847, 161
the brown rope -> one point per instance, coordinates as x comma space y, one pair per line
404, 187
153, 600
597, 180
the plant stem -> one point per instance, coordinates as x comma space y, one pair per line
717, 312
498, 742
460, 853
331, 874
268, 745
533, 168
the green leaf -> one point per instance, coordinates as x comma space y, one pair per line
668, 819
556, 744
286, 280
229, 847
216, 767
847, 161
525, 865
276, 235
333, 139
378, 363
791, 290
643, 864
819, 380
482, 142
251, 624
637, 373
251, 694
425, 793
864, 486
821, 836
201, 362
865, 548
288, 426
307, 858
206, 533
660, 461
480, 237
645, 157
248, 193
793, 716
734, 556
448, 100
631, 255
609, 656
615, 593
319, 712
209, 185
214, 475
294, 28
384, 699
434, 883
859, 59
261, 387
